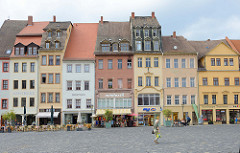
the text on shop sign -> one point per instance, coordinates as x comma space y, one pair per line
148, 109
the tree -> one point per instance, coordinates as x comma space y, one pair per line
167, 113
108, 115
9, 117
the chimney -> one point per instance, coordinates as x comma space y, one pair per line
174, 34
54, 18
101, 19
133, 15
153, 14
208, 39
30, 20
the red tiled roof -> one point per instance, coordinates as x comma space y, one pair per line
81, 44
27, 40
36, 28
236, 44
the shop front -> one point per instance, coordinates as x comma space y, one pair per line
207, 115
234, 113
72, 117
148, 115
44, 116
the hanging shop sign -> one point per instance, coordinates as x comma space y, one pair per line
149, 109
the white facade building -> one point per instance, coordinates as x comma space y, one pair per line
78, 90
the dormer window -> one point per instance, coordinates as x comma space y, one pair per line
156, 46
49, 34
30, 51
124, 47
115, 47
137, 32
147, 46
146, 33
47, 45
155, 32
22, 51
57, 44
105, 47
17, 51
34, 50
138, 45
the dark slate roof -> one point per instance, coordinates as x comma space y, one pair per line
8, 32
178, 45
57, 25
203, 47
143, 21
113, 31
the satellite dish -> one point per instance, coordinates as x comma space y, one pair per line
175, 47
8, 51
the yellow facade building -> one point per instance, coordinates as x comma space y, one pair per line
219, 88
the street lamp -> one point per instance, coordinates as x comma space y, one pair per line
92, 113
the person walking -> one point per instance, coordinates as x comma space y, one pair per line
236, 119
156, 131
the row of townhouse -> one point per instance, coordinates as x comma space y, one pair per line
128, 67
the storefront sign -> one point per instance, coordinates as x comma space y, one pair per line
115, 95
148, 109
23, 93
236, 106
78, 94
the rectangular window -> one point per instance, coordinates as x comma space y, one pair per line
184, 99
119, 63
5, 67
168, 82
129, 63
58, 60
78, 85
184, 83
137, 32
44, 78
225, 99
236, 81
34, 50
24, 84
235, 99
22, 51
105, 47
156, 81
32, 84
138, 45
183, 63
16, 51
110, 84
129, 83
69, 103
88, 103
86, 85
226, 80
124, 46
43, 97
139, 62
176, 100
57, 78
148, 62
86, 68
204, 81
69, 68
218, 60
225, 62
120, 84
78, 103
5, 85
100, 64
167, 63
154, 32
23, 102
191, 62
15, 102
50, 97
213, 99
15, 67
148, 81
32, 67
69, 85
139, 81
30, 51
15, 84
50, 60
215, 81
169, 99
57, 97
175, 63
4, 103
192, 82
156, 46
50, 78
231, 61
32, 101
192, 99
115, 47
155, 61
24, 67
147, 45
176, 82
44, 60
110, 64
212, 61
78, 68
47, 45
146, 33
49, 34
205, 99
100, 83
56, 44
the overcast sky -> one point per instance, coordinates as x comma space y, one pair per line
193, 19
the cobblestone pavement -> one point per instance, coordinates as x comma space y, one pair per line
207, 138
